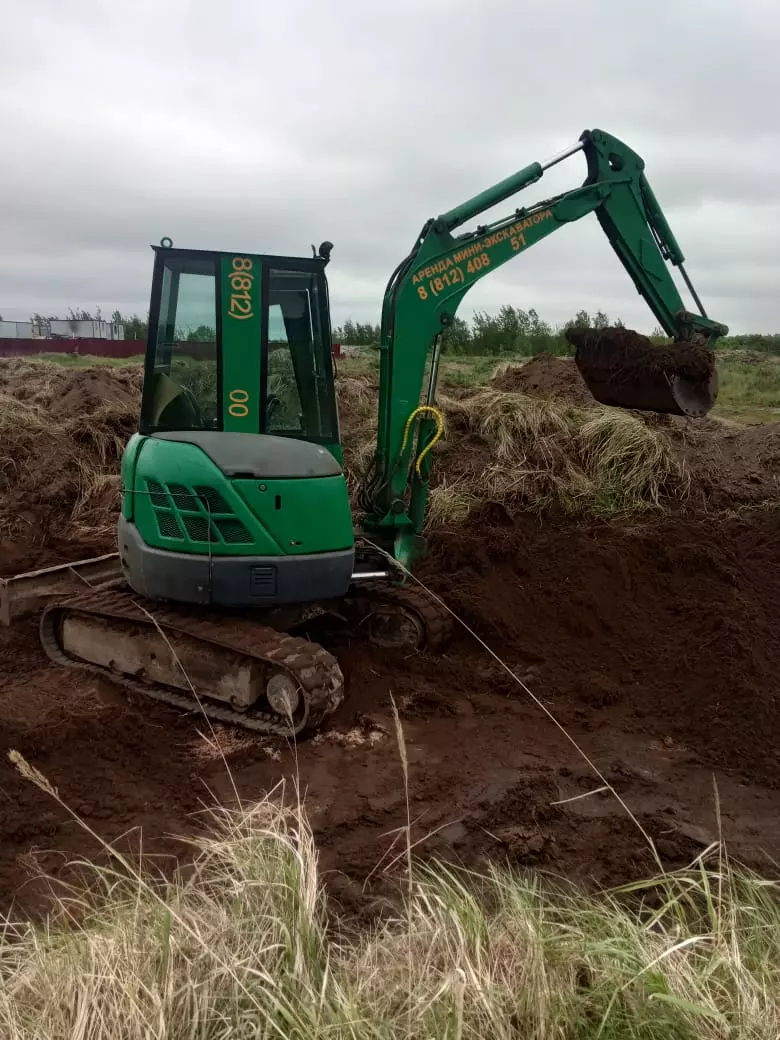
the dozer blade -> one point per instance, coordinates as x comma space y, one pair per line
26, 593
624, 369
229, 668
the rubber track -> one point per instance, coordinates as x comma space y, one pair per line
436, 619
315, 671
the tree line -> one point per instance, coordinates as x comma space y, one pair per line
514, 332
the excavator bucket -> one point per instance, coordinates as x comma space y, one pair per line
624, 369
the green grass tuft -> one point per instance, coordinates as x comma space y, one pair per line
749, 392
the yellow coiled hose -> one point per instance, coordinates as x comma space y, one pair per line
434, 413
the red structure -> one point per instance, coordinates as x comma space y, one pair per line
118, 348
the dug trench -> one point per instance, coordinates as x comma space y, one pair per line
654, 646
651, 642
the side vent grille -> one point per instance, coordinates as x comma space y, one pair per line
201, 512
168, 524
157, 492
212, 499
198, 529
263, 581
183, 498
233, 531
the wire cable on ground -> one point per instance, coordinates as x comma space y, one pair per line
536, 700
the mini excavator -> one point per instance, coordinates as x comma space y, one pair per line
236, 525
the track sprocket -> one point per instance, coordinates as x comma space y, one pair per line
402, 617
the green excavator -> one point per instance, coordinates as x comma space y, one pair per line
236, 525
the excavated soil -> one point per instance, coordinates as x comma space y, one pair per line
625, 351
655, 647
61, 437
624, 368
545, 376
654, 644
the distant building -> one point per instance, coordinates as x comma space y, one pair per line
71, 328
62, 328
19, 330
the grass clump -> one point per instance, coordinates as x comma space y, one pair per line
545, 454
243, 947
632, 466
528, 452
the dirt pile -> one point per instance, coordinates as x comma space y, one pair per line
545, 376
670, 622
534, 439
65, 392
62, 432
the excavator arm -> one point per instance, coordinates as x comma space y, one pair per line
426, 289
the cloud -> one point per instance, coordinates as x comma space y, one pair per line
267, 127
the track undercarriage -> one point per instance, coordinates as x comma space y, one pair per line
244, 669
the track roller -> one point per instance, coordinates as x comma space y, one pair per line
229, 668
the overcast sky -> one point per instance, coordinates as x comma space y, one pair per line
264, 127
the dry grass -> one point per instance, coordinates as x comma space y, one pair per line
243, 947
97, 507
17, 416
529, 452
511, 424
630, 461
357, 399
532, 453
547, 455
449, 504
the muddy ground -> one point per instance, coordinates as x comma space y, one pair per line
653, 643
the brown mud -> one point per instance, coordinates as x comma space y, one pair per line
653, 643
623, 349
654, 646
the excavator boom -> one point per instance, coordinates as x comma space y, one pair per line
426, 289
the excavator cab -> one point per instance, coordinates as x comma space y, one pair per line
240, 344
233, 489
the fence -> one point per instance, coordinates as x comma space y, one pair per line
121, 348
